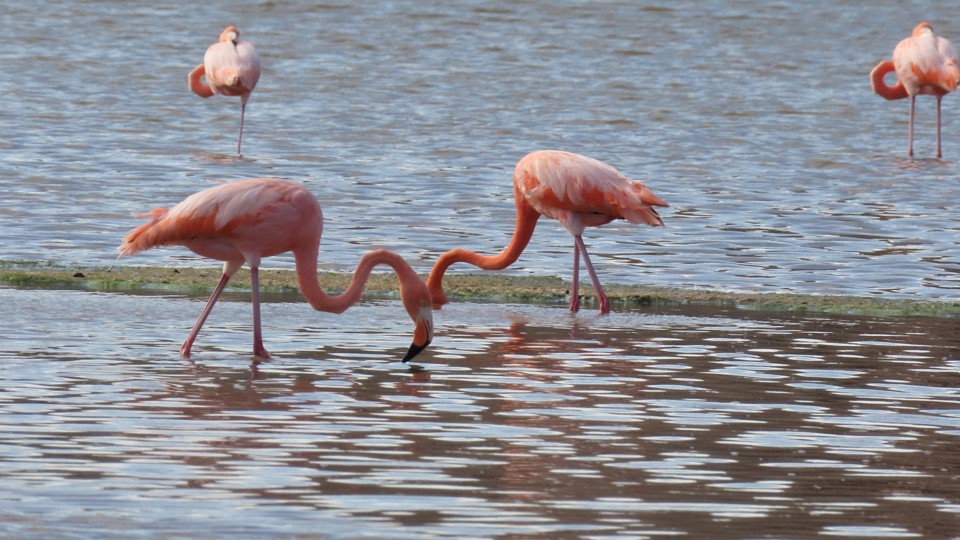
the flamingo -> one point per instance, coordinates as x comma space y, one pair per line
925, 64
576, 190
244, 221
231, 67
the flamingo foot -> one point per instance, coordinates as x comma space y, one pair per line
574, 303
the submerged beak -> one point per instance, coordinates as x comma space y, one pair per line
414, 351
423, 334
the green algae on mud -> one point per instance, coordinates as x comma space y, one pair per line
473, 287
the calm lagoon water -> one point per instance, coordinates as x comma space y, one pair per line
756, 122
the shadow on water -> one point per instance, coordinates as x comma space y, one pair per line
524, 420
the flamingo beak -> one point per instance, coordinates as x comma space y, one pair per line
414, 351
422, 334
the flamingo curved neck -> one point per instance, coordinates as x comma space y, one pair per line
897, 91
306, 264
527, 218
196, 86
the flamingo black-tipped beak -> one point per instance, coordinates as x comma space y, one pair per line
414, 351
423, 331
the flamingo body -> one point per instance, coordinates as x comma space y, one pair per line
580, 191
242, 222
231, 67
925, 64
576, 190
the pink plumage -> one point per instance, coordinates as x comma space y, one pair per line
925, 63
242, 222
576, 190
231, 67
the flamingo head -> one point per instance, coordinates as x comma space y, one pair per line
423, 331
921, 28
230, 34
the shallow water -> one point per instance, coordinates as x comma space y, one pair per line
756, 122
524, 421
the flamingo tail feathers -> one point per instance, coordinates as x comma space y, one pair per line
145, 236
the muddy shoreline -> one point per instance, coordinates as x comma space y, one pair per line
474, 287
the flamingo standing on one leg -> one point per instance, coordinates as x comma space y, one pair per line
576, 190
242, 222
925, 64
231, 67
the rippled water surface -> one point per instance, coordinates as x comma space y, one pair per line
523, 422
756, 122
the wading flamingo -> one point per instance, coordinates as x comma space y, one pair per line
576, 190
244, 221
231, 67
925, 64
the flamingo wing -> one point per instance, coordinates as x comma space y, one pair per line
219, 217
555, 182
232, 69
249, 63
949, 65
926, 63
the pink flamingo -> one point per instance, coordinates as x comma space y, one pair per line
925, 64
242, 222
231, 68
576, 190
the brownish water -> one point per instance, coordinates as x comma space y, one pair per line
524, 422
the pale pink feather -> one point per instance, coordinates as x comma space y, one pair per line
231, 221
563, 185
926, 63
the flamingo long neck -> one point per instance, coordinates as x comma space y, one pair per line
527, 218
897, 91
198, 88
321, 301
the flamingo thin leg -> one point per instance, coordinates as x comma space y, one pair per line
575, 286
258, 349
243, 110
939, 153
188, 343
601, 296
913, 104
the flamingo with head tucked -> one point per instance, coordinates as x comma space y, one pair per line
925, 64
242, 222
231, 67
576, 190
